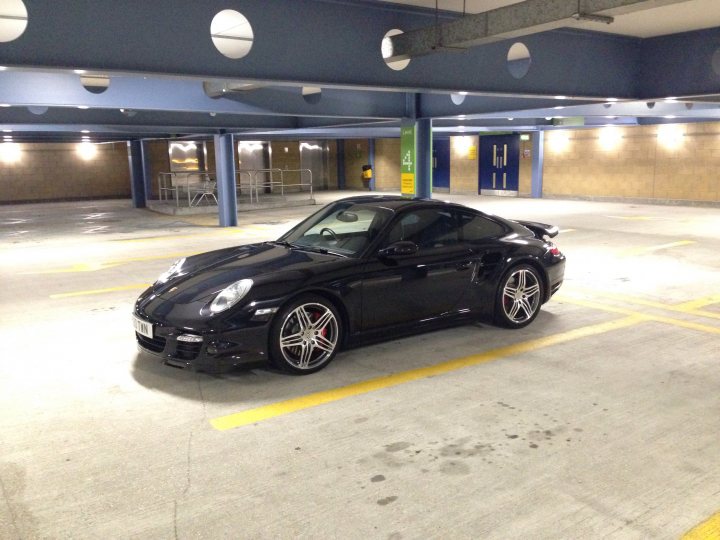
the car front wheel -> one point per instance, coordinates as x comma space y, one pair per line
306, 335
519, 297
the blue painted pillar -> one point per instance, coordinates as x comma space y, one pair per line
341, 163
536, 179
137, 174
371, 162
424, 158
147, 169
226, 183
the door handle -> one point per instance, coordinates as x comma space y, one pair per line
463, 265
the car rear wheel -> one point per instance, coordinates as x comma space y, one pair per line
306, 335
519, 297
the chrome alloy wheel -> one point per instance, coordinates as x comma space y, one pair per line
308, 336
521, 295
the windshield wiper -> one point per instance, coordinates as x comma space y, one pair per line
282, 243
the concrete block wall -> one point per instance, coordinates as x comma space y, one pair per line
55, 171
525, 177
464, 165
356, 155
387, 165
672, 162
159, 162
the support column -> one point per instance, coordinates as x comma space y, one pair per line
147, 169
424, 158
341, 163
371, 162
137, 174
536, 179
226, 180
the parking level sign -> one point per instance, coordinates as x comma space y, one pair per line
407, 160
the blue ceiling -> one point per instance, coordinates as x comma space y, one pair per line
164, 74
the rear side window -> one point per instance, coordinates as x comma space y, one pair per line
475, 228
427, 228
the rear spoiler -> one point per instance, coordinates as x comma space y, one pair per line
540, 230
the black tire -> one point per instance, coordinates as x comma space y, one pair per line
519, 297
305, 335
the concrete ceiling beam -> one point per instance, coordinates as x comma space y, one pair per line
528, 17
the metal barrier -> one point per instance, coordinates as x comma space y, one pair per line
196, 186
272, 181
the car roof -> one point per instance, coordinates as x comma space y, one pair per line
397, 203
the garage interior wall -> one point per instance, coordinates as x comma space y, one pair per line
525, 180
667, 162
56, 171
159, 162
356, 155
464, 164
387, 165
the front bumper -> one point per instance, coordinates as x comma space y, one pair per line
210, 352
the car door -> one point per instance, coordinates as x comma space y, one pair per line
420, 286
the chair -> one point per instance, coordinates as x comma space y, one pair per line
205, 190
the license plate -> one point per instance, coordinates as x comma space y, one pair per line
143, 328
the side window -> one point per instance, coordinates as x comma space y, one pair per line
427, 228
474, 228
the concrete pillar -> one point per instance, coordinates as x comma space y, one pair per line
137, 174
341, 163
424, 158
226, 180
536, 179
371, 162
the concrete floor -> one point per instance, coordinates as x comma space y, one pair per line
598, 420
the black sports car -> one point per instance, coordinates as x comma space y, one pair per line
361, 268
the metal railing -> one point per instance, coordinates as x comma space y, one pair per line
196, 186
272, 181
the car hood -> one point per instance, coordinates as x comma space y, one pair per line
202, 276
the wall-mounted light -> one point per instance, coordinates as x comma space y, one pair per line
559, 140
86, 150
250, 145
10, 152
670, 135
609, 138
463, 144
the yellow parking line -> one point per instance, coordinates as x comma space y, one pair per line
221, 232
100, 291
95, 266
699, 303
272, 410
644, 316
691, 307
707, 530
653, 249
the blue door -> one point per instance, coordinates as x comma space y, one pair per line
499, 164
441, 164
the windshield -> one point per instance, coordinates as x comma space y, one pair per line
344, 228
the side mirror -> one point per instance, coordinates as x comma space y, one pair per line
399, 249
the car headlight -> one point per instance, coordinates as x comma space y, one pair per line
231, 295
170, 272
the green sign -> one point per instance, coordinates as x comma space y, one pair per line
407, 159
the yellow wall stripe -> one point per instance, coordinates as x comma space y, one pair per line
707, 530
272, 410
